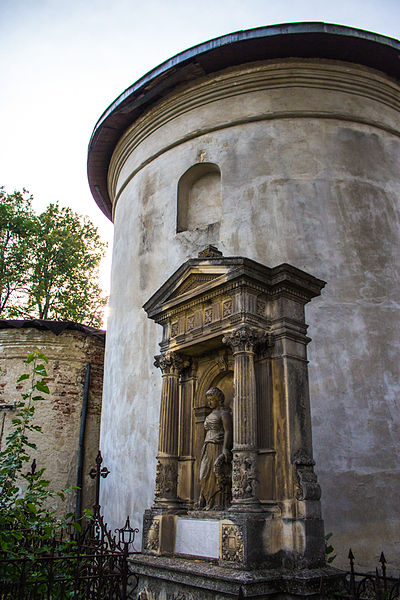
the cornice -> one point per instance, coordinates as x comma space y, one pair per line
329, 76
223, 291
232, 272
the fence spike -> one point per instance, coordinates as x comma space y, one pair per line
383, 561
353, 594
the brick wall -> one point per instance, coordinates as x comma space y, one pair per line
59, 414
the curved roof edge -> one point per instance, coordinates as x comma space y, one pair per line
301, 40
57, 327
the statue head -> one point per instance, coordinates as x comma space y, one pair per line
215, 397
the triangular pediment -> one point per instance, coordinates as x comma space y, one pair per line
193, 281
200, 276
192, 278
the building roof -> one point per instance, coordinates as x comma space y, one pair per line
57, 327
300, 40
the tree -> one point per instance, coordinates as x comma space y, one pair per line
17, 224
66, 256
55, 277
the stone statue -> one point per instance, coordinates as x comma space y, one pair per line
216, 456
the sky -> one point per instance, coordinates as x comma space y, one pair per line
63, 62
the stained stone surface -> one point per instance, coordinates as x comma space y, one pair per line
59, 413
235, 320
308, 152
163, 578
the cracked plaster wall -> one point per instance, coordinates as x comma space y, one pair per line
310, 176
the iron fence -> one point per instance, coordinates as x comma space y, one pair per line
370, 586
92, 565
84, 576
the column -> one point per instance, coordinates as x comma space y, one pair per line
244, 470
171, 365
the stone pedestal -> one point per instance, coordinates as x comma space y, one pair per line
239, 326
182, 579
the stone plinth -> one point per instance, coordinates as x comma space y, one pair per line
183, 579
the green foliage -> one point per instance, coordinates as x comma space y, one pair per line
329, 549
17, 224
27, 524
48, 263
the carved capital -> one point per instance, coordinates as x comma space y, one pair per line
171, 363
245, 338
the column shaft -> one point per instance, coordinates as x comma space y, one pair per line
169, 415
244, 471
245, 407
167, 460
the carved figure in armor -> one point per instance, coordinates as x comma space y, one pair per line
216, 456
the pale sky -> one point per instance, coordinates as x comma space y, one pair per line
63, 62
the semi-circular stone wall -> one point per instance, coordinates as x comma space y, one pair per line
308, 152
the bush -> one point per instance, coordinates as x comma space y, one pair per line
27, 523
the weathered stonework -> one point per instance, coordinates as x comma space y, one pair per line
306, 171
59, 414
162, 578
266, 512
232, 544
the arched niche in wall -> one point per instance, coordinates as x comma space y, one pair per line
199, 198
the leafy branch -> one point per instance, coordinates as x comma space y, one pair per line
26, 520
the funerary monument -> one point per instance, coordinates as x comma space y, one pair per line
280, 147
235, 480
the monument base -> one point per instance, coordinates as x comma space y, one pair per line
164, 578
236, 540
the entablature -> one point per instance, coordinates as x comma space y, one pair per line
206, 297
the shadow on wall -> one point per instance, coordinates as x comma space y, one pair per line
199, 198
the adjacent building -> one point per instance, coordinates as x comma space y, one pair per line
70, 415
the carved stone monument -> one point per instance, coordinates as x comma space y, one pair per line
235, 484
